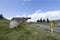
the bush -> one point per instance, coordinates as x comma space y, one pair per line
1, 16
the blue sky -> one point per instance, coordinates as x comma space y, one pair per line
10, 8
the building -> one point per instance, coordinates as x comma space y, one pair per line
15, 21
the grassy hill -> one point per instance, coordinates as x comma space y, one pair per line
26, 31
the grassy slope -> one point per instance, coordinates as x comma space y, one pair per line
25, 32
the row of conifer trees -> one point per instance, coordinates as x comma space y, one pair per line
43, 20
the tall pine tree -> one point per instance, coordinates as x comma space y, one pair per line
38, 20
47, 20
41, 20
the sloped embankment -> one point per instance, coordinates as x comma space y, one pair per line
25, 32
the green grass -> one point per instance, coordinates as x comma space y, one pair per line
25, 32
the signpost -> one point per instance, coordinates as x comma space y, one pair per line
51, 26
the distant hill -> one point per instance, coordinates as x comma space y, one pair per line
58, 21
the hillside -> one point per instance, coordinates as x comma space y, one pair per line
26, 31
57, 21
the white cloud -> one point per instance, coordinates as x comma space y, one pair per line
20, 16
52, 15
27, 0
17, 16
